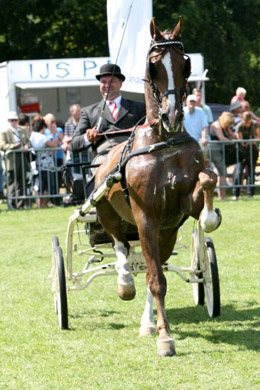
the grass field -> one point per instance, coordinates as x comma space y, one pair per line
102, 349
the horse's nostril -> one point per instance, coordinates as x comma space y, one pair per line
165, 118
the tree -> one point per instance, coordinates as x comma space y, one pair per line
50, 29
226, 32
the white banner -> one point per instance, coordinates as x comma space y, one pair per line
128, 23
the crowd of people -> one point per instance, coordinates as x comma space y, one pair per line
27, 149
31, 142
238, 123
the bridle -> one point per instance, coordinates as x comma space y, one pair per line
158, 95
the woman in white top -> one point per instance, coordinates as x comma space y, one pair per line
44, 161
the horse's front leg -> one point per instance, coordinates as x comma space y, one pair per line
148, 235
209, 218
147, 327
167, 240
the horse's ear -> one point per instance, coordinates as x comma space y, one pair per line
176, 34
155, 33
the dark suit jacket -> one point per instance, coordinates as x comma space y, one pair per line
129, 114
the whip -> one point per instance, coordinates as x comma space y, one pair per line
113, 71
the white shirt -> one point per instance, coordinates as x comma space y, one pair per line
118, 104
45, 159
38, 140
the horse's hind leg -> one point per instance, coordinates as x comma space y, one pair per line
203, 196
125, 281
111, 222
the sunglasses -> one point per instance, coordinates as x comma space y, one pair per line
53, 121
13, 120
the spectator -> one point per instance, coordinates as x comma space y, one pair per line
23, 122
54, 132
44, 161
15, 139
195, 122
36, 118
246, 107
205, 107
239, 96
220, 130
70, 127
247, 129
127, 114
236, 110
1, 180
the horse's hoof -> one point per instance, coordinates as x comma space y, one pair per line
218, 212
165, 347
210, 221
145, 331
126, 292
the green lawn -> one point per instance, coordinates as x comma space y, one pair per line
102, 349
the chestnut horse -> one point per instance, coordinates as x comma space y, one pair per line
165, 177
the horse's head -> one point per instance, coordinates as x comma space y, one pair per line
167, 71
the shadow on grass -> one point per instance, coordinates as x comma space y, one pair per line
238, 326
234, 326
92, 313
98, 315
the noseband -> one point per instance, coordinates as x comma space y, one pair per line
156, 93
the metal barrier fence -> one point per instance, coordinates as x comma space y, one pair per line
244, 170
34, 177
25, 184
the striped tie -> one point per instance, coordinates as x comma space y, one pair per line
114, 110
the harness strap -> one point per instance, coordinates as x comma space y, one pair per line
155, 147
148, 149
171, 92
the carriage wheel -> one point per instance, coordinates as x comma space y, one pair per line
59, 284
197, 288
211, 280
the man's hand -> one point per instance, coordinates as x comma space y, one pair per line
204, 139
92, 134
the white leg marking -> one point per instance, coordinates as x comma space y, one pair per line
209, 220
122, 266
147, 320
